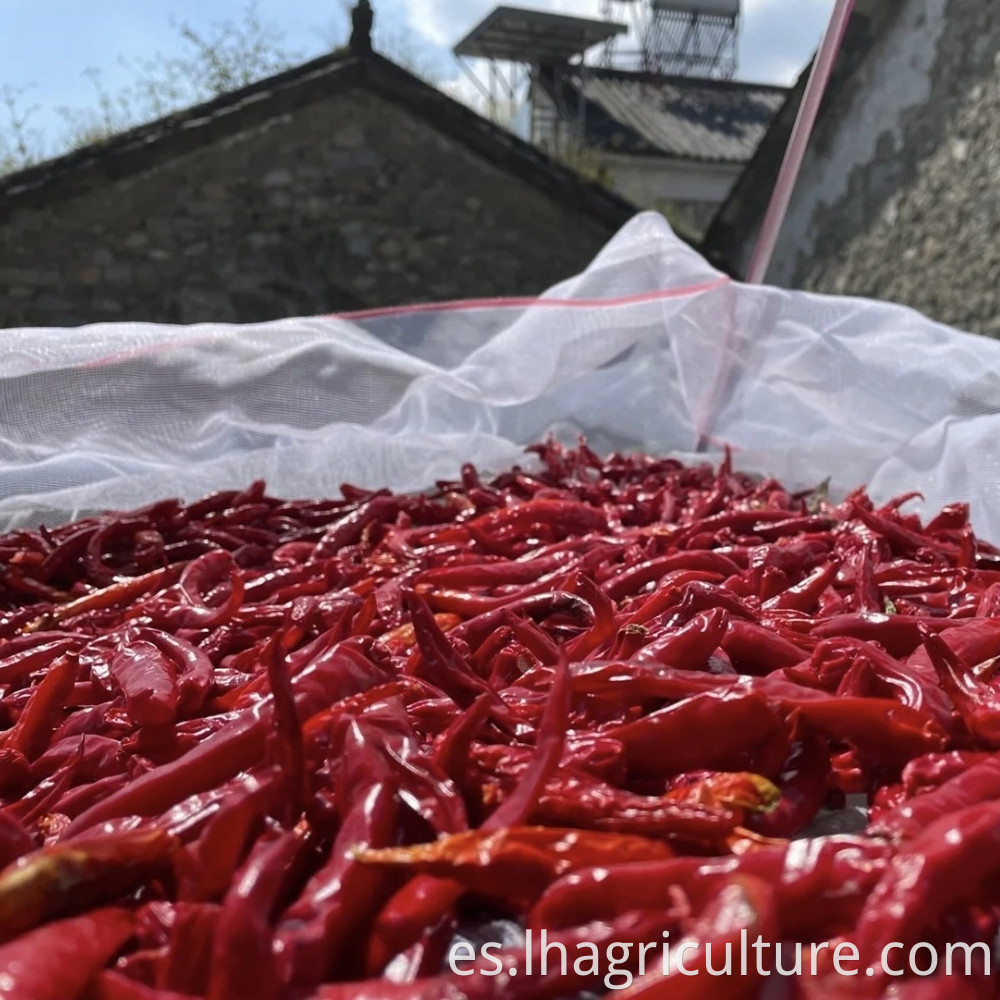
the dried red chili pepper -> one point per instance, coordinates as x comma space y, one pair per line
75, 875
952, 863
976, 782
516, 864
734, 724
637, 651
243, 961
56, 962
822, 884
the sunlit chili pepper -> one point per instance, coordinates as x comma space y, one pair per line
977, 700
979, 783
952, 863
515, 864
244, 964
55, 962
823, 884
661, 743
39, 719
310, 741
423, 900
76, 875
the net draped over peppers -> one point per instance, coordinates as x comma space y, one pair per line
271, 749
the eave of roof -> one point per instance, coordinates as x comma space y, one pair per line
140, 148
716, 83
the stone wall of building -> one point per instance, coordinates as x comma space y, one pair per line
899, 194
348, 202
928, 201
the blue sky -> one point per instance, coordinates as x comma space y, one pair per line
46, 46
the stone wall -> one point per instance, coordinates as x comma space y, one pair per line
348, 202
899, 194
929, 197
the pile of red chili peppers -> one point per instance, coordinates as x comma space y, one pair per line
262, 749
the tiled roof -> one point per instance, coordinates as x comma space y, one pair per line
642, 113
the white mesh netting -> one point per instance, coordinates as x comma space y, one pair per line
648, 348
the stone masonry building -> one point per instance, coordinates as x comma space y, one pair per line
899, 195
343, 184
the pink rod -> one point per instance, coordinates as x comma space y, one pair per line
804, 123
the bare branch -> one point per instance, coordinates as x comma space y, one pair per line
20, 143
213, 60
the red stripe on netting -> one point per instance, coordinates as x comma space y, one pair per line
781, 198
427, 307
530, 303
144, 350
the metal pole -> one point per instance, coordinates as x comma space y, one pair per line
493, 90
533, 101
472, 76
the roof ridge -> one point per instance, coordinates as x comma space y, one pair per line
182, 131
558, 177
78, 157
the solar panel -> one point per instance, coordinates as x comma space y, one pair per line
712, 8
512, 34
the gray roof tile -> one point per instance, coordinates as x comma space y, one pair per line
641, 113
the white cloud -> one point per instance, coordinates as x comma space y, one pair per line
444, 22
463, 89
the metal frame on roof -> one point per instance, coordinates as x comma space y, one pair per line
513, 34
